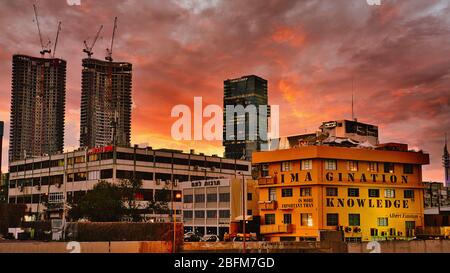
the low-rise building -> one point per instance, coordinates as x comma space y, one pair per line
46, 183
215, 206
365, 193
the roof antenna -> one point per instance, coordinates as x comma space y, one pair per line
353, 103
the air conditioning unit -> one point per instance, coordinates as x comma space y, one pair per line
167, 182
196, 168
21, 188
175, 183
158, 181
38, 187
58, 185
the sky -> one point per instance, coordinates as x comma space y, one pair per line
395, 55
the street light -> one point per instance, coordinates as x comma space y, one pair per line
243, 209
174, 214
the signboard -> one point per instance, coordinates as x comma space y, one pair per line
100, 150
210, 183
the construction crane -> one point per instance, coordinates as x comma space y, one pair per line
56, 40
44, 48
110, 49
88, 49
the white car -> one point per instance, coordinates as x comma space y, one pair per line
210, 238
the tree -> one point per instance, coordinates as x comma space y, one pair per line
130, 189
101, 204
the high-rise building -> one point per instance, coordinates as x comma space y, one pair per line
245, 91
105, 103
446, 164
1, 145
37, 106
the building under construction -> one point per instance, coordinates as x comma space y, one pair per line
105, 103
37, 106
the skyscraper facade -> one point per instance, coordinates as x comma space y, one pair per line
105, 103
37, 106
1, 145
245, 91
446, 164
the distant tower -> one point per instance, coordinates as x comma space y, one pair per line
37, 106
1, 145
446, 163
105, 118
247, 90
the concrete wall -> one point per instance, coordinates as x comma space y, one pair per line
266, 247
86, 247
417, 246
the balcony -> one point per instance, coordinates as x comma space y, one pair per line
269, 229
267, 205
266, 181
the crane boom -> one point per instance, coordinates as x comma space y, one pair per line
110, 50
44, 49
56, 40
88, 49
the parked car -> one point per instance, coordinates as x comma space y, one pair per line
192, 237
210, 238
248, 237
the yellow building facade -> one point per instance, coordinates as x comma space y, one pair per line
364, 193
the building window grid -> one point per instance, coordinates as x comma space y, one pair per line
330, 165
288, 192
352, 165
306, 164
305, 192
389, 193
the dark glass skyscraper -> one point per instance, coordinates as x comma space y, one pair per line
245, 91
105, 103
37, 106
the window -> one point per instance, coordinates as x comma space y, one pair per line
389, 193
272, 194
374, 193
352, 166
305, 191
408, 168
188, 214
188, 198
249, 212
408, 194
224, 214
373, 232
332, 191
332, 219
354, 220
249, 196
382, 221
55, 198
353, 192
211, 214
286, 166
224, 197
287, 218
286, 192
200, 214
306, 164
199, 198
389, 167
330, 165
94, 175
269, 219
211, 197
306, 219
373, 167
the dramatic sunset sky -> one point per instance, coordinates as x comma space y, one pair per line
398, 55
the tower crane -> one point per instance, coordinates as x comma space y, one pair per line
88, 49
110, 49
56, 40
44, 48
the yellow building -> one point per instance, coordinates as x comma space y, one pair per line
368, 194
